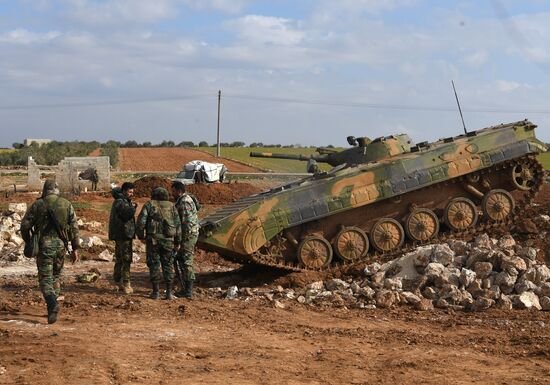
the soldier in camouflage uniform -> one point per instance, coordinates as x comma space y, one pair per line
159, 224
188, 207
122, 230
51, 219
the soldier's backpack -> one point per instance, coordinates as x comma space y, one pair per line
162, 219
196, 201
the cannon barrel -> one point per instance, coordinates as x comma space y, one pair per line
334, 159
281, 156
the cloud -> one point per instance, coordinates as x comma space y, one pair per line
257, 29
227, 6
476, 59
509, 86
115, 11
25, 37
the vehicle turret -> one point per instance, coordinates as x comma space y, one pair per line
363, 151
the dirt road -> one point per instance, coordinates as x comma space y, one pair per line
107, 338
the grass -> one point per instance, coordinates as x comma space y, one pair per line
81, 205
241, 154
7, 150
545, 160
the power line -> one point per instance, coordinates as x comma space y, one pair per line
388, 106
103, 103
351, 104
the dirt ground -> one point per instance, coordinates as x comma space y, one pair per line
104, 337
170, 159
206, 193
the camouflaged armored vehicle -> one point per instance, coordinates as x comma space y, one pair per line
383, 197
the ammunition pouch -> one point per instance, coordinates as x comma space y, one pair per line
33, 246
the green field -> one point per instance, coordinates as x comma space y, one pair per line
241, 154
545, 160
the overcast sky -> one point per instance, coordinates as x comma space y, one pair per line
308, 72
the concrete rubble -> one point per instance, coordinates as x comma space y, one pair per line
11, 243
470, 276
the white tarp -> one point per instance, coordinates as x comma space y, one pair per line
208, 172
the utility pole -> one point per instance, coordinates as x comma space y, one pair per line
218, 134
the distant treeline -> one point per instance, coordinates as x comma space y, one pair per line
171, 143
52, 153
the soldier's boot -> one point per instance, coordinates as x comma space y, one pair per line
127, 288
169, 294
188, 291
155, 293
119, 286
181, 293
53, 308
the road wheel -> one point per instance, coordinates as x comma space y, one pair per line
314, 252
351, 244
497, 204
421, 225
387, 234
460, 214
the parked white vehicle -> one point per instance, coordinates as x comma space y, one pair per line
198, 171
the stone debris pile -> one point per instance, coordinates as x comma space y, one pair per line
11, 243
469, 276
90, 226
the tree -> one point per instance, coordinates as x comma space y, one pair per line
18, 146
167, 143
203, 143
186, 143
130, 144
237, 144
112, 143
146, 144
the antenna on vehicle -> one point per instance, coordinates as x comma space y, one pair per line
459, 109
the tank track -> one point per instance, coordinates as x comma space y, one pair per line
481, 227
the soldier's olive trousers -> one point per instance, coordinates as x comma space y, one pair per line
49, 261
123, 260
186, 255
160, 255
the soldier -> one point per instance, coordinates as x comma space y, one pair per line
188, 207
94, 179
51, 222
159, 223
122, 230
312, 166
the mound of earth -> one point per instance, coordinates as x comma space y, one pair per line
170, 159
215, 193
221, 193
144, 186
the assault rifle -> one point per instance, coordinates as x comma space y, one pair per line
178, 272
59, 229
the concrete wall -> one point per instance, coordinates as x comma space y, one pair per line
27, 142
34, 183
66, 173
68, 169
